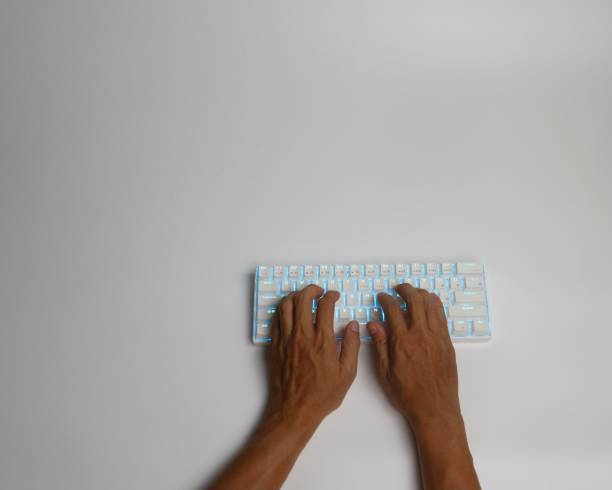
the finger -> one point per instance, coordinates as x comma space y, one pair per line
393, 313
285, 309
325, 315
435, 314
414, 303
275, 329
302, 303
350, 349
379, 338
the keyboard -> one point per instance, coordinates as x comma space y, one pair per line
460, 285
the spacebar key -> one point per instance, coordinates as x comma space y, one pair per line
467, 310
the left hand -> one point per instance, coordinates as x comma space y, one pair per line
308, 378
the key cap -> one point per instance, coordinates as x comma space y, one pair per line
379, 284
263, 330
480, 327
385, 269
447, 268
352, 299
363, 331
265, 273
345, 313
348, 285
334, 284
376, 315
425, 283
360, 314
340, 326
469, 296
286, 286
367, 299
432, 269
417, 269
339, 271
440, 283
268, 300
460, 328
265, 313
370, 270
267, 286
455, 283
393, 283
469, 268
279, 272
466, 310
303, 284
444, 296
474, 282
294, 271
324, 271
309, 271
363, 284
400, 269
355, 270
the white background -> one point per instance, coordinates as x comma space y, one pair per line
152, 153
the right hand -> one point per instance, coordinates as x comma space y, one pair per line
416, 359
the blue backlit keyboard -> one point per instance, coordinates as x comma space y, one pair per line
460, 285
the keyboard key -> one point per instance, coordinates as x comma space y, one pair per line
405, 280
376, 315
393, 283
466, 310
348, 285
268, 286
460, 328
480, 327
339, 271
265, 273
386, 269
447, 268
425, 283
294, 271
379, 284
444, 296
440, 283
324, 271
363, 284
469, 268
279, 272
455, 283
400, 269
303, 284
469, 297
355, 270
361, 314
417, 269
474, 282
265, 313
334, 284
263, 330
286, 286
370, 270
352, 299
268, 300
367, 299
345, 313
309, 271
432, 269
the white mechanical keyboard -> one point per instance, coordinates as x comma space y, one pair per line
460, 285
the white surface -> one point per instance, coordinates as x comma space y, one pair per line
152, 153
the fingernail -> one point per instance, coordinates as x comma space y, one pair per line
354, 326
372, 328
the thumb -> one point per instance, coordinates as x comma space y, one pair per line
350, 349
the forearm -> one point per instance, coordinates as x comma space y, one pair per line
266, 460
444, 455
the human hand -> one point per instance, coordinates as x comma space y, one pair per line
308, 378
416, 359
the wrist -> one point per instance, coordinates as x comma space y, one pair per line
293, 420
